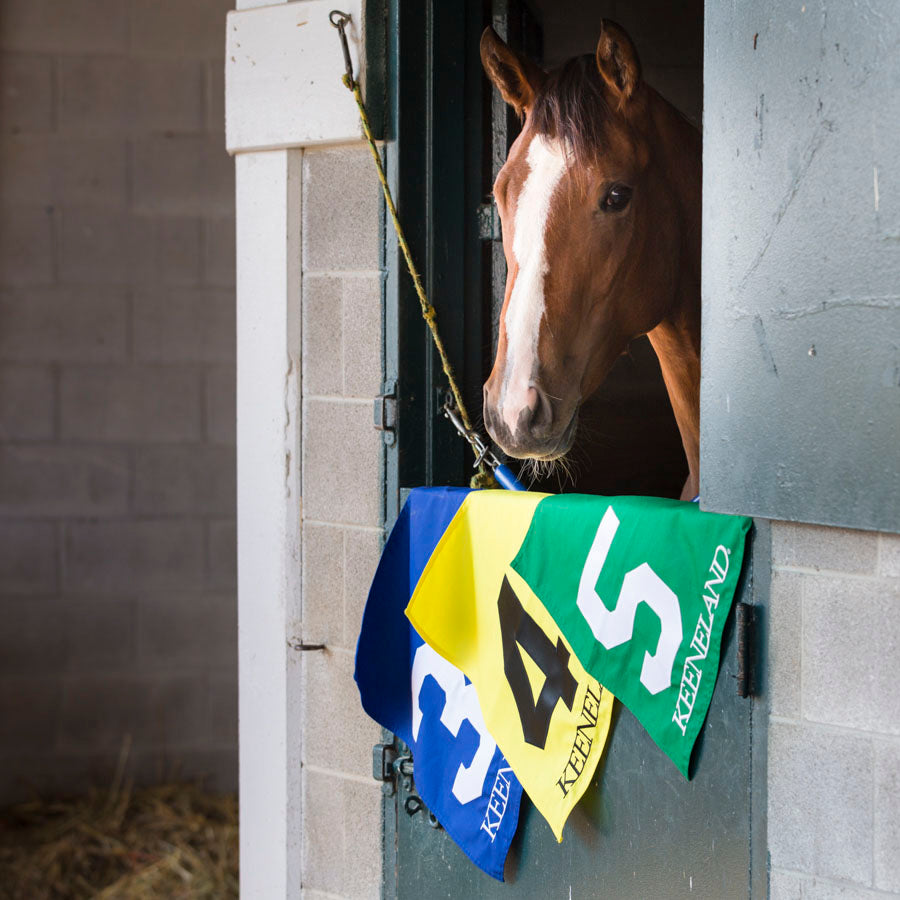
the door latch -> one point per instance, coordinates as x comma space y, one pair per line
395, 770
385, 413
389, 767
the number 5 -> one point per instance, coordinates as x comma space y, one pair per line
641, 585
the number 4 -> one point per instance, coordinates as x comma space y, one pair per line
640, 585
518, 629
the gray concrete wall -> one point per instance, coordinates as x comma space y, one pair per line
799, 197
834, 726
341, 373
800, 402
117, 500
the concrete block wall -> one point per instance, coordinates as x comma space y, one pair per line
117, 497
341, 373
834, 727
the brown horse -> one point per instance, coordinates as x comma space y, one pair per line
599, 201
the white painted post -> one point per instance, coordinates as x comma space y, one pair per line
269, 510
283, 68
283, 92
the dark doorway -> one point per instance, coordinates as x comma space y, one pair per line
627, 440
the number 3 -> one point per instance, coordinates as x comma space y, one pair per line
460, 704
640, 585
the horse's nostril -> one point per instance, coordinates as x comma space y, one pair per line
537, 416
520, 422
490, 415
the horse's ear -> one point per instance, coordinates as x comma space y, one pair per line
618, 61
515, 76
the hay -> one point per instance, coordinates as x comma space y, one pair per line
170, 841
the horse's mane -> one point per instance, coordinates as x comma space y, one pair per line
570, 107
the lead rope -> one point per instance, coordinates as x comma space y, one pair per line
483, 477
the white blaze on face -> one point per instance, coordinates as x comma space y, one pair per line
546, 162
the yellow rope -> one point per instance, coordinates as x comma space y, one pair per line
484, 476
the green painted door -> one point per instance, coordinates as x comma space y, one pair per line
641, 831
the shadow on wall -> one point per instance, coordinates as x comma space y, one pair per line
117, 497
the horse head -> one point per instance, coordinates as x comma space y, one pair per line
596, 211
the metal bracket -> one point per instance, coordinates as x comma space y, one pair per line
385, 413
383, 758
392, 768
302, 646
489, 223
414, 804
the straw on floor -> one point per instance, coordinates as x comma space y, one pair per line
170, 841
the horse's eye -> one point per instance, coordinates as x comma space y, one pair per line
616, 199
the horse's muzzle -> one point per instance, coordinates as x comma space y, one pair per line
535, 432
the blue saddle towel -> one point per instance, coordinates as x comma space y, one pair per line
404, 685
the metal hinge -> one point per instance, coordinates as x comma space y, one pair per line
489, 223
385, 413
745, 620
